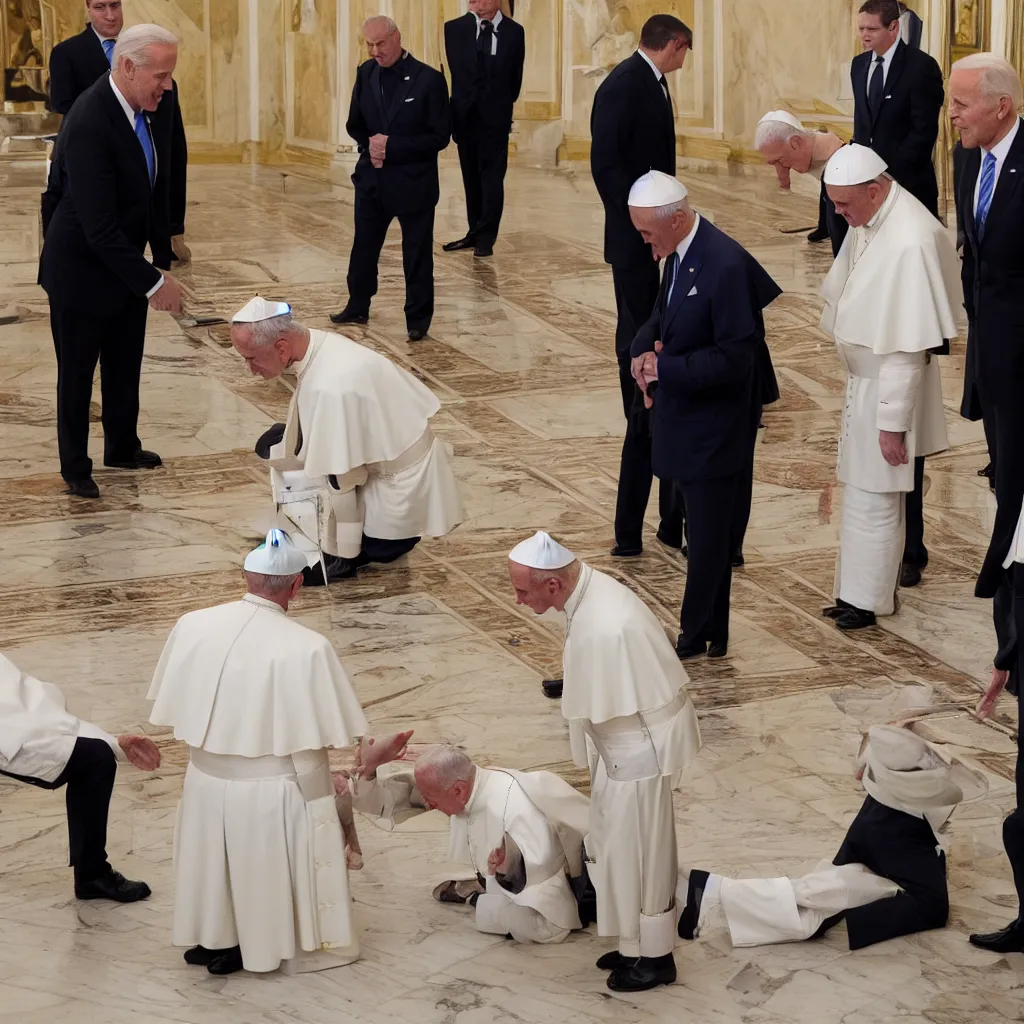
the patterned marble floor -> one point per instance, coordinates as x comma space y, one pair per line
520, 355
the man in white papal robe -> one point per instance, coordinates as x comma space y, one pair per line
259, 855
632, 723
890, 299
522, 832
356, 467
888, 878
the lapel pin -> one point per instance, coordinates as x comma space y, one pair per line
407, 78
690, 269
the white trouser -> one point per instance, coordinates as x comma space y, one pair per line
871, 538
765, 910
497, 914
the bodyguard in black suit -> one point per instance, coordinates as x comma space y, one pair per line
79, 61
704, 346
399, 118
485, 53
632, 128
92, 265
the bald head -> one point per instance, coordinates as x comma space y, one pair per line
383, 40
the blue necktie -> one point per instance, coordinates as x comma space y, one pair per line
988, 187
142, 131
108, 49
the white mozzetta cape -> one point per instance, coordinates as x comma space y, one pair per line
903, 292
244, 679
355, 407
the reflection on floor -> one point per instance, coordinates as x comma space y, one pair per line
520, 354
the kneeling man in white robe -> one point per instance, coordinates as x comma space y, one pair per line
259, 856
632, 723
888, 878
890, 299
522, 832
357, 467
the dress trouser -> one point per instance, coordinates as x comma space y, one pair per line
80, 338
372, 221
1013, 826
713, 511
745, 488
89, 778
636, 292
834, 224
914, 551
483, 157
497, 914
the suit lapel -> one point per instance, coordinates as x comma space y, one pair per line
972, 167
689, 271
378, 98
405, 82
860, 85
95, 50
127, 132
1009, 179
896, 68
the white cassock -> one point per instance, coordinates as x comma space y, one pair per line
542, 821
633, 723
358, 453
37, 732
258, 849
891, 295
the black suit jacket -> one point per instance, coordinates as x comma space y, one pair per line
74, 65
713, 371
993, 279
169, 190
417, 126
632, 131
92, 255
904, 131
493, 94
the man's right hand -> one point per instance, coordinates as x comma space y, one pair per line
141, 751
373, 752
168, 296
987, 704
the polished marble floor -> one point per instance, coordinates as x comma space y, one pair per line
520, 354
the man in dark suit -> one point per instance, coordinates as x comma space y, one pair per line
399, 118
77, 62
898, 94
485, 53
703, 349
632, 127
92, 266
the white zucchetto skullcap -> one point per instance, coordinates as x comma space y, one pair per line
258, 308
897, 749
276, 556
541, 551
654, 189
853, 165
783, 116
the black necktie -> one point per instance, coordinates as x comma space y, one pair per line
664, 89
876, 86
483, 40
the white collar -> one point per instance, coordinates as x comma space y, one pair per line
102, 39
573, 600
654, 67
474, 795
495, 21
125, 105
887, 56
1002, 147
301, 365
883, 211
262, 602
685, 243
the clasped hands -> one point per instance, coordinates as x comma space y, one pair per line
645, 370
378, 146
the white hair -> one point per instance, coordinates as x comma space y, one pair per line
671, 209
446, 765
266, 332
998, 77
261, 583
133, 43
776, 131
390, 22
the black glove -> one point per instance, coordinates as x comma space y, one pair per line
268, 439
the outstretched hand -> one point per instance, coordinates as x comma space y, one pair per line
372, 752
141, 751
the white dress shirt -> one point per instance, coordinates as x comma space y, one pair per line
999, 151
130, 114
495, 22
1016, 552
886, 64
681, 249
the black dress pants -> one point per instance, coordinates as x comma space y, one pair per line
835, 224
901, 848
713, 513
745, 489
914, 551
375, 549
81, 338
89, 778
372, 221
636, 292
1013, 826
483, 157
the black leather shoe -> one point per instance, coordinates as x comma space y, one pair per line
83, 488
691, 912
737, 560
459, 243
350, 316
718, 650
643, 973
200, 956
484, 249
1008, 940
833, 611
268, 439
829, 922
690, 648
817, 235
552, 688
112, 886
675, 543
626, 551
855, 618
140, 460
226, 963
337, 569
611, 961
910, 575
415, 334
